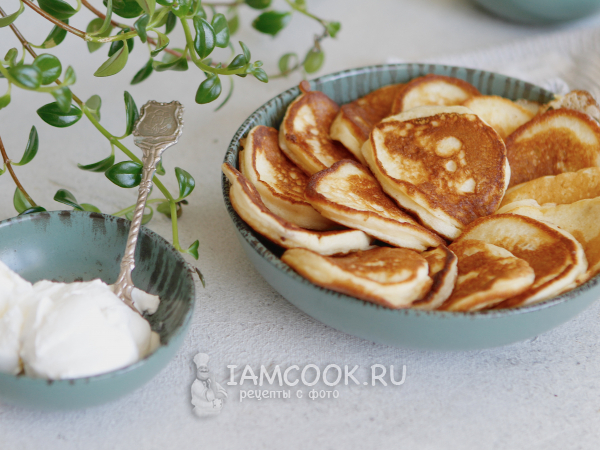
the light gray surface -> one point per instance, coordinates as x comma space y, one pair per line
533, 395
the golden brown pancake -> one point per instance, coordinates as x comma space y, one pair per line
246, 201
529, 105
581, 101
442, 163
392, 277
554, 255
304, 132
500, 113
433, 90
348, 194
443, 271
581, 219
487, 275
279, 181
355, 120
555, 142
560, 189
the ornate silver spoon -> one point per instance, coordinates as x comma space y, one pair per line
159, 127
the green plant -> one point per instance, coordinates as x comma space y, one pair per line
205, 29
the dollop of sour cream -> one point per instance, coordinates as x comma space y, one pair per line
70, 330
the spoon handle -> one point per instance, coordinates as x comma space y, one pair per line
159, 127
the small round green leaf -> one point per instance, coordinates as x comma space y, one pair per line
131, 113
28, 75
160, 170
65, 197
221, 29
93, 104
171, 22
272, 22
57, 8
238, 62
314, 60
287, 61
114, 64
161, 44
91, 208
260, 75
333, 28
181, 8
63, 97
70, 77
209, 90
186, 183
148, 6
126, 174
20, 202
11, 57
30, 149
246, 51
100, 166
52, 115
143, 73
116, 45
171, 62
6, 21
233, 24
49, 66
145, 217
127, 9
258, 4
56, 36
193, 250
93, 27
204, 42
140, 26
5, 100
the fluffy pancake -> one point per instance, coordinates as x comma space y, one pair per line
487, 275
581, 219
581, 101
347, 193
304, 132
554, 255
529, 105
441, 162
279, 181
560, 189
246, 201
500, 113
443, 271
355, 120
392, 277
433, 90
557, 141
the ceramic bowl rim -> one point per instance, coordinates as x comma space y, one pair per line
249, 234
153, 235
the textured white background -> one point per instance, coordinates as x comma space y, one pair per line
543, 393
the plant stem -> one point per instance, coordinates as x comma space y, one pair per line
305, 12
132, 207
54, 20
174, 226
20, 37
14, 176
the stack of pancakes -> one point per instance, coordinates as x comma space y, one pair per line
429, 195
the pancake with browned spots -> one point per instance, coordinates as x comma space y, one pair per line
487, 275
355, 120
502, 114
392, 277
279, 181
554, 255
581, 101
246, 201
304, 132
348, 194
433, 90
581, 219
560, 189
443, 271
555, 142
442, 163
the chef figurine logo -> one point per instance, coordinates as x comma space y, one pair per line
208, 396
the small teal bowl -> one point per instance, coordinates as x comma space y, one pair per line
436, 330
80, 246
540, 12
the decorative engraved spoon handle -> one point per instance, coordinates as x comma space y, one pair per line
159, 127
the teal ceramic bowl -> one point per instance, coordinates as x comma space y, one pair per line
438, 330
80, 246
540, 11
